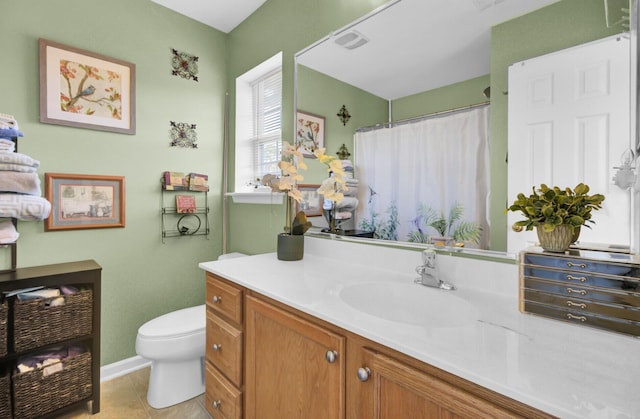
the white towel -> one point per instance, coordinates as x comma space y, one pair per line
20, 182
10, 167
8, 232
24, 207
18, 158
347, 204
7, 145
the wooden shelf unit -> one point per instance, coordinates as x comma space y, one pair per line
86, 273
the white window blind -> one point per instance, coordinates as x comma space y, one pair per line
267, 110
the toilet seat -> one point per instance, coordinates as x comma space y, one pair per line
180, 323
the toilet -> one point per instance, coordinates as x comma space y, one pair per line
175, 344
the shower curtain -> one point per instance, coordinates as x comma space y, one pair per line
423, 168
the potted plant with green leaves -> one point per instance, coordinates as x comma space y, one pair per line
557, 214
451, 228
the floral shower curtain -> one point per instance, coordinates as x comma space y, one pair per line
411, 175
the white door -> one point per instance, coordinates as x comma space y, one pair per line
569, 123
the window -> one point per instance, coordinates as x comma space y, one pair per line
258, 123
267, 107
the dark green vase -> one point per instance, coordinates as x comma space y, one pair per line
290, 247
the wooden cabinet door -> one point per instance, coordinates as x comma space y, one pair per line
287, 371
395, 390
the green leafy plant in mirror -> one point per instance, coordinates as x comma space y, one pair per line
452, 225
550, 207
383, 229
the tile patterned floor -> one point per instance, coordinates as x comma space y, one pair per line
126, 398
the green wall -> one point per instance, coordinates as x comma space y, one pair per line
142, 277
468, 92
322, 95
287, 26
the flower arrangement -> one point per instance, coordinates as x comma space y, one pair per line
291, 164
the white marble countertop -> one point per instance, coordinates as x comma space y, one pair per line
478, 334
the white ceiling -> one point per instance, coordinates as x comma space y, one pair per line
418, 45
223, 15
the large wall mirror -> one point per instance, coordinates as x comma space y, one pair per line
414, 61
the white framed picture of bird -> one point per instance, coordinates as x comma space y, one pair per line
84, 89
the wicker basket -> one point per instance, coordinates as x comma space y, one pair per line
4, 314
36, 323
35, 395
5, 396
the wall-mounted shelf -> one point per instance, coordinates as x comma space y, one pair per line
178, 224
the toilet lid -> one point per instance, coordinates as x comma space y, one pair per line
177, 323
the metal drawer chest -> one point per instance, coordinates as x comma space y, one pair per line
590, 288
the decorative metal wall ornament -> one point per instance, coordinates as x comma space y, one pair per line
343, 152
184, 65
344, 115
183, 134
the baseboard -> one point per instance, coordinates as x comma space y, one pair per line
120, 368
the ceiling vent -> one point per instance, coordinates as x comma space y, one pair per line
351, 40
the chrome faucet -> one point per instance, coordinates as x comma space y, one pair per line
428, 271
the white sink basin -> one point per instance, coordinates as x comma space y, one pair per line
409, 304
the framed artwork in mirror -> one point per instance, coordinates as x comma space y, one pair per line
83, 89
84, 201
309, 133
312, 201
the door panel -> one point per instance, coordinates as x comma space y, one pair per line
569, 122
287, 373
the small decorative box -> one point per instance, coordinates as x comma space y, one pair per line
174, 181
198, 182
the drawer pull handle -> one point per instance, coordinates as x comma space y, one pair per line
572, 317
216, 299
576, 278
364, 373
216, 347
578, 265
331, 356
579, 305
581, 292
216, 404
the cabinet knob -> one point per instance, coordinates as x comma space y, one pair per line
331, 356
364, 373
216, 404
216, 299
216, 347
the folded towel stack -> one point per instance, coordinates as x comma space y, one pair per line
20, 191
48, 361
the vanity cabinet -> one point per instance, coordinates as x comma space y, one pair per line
298, 366
590, 288
224, 349
384, 384
294, 368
